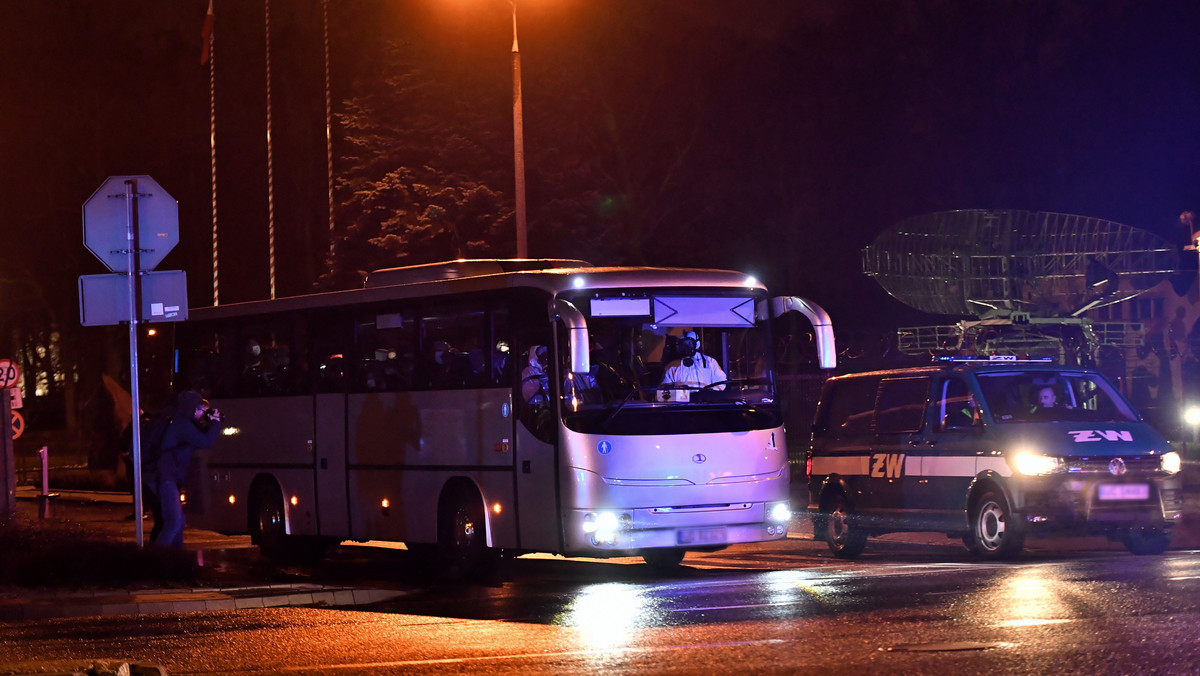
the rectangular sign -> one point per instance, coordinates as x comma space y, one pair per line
703, 311
104, 299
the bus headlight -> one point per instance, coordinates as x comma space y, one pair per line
779, 512
1170, 462
1035, 464
604, 527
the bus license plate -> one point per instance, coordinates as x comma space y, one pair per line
701, 536
1124, 491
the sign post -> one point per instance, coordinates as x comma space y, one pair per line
9, 376
115, 232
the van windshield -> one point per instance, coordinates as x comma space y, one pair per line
1048, 396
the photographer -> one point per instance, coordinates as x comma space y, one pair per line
194, 425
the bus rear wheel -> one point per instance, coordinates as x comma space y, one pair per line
270, 532
269, 523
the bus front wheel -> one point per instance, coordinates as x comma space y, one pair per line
462, 538
663, 559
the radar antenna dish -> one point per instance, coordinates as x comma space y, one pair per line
996, 263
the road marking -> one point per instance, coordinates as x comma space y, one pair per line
600, 652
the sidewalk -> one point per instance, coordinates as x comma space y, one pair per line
108, 513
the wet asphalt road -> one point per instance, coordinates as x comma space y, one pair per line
912, 604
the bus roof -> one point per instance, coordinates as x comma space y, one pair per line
435, 279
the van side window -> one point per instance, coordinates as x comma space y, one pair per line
956, 406
847, 407
900, 408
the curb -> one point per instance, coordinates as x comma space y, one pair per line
40, 606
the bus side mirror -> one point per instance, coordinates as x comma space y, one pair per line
580, 360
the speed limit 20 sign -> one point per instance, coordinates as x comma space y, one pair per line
9, 373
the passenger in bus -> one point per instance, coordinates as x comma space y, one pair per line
693, 368
258, 374
535, 381
449, 368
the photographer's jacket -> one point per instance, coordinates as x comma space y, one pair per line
183, 437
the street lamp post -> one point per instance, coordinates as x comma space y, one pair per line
518, 142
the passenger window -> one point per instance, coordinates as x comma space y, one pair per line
386, 340
900, 408
847, 407
956, 405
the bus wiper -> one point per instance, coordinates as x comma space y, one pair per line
621, 405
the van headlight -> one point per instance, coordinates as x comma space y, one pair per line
1170, 462
1035, 464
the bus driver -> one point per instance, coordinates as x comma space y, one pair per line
693, 368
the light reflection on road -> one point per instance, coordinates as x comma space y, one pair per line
607, 615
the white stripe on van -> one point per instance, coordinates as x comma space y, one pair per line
928, 466
846, 465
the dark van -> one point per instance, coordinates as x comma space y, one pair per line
989, 451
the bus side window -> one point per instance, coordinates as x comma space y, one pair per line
384, 351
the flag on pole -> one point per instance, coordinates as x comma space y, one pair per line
206, 35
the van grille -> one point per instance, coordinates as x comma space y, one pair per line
1100, 465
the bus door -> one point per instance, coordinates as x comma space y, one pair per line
330, 344
329, 450
535, 437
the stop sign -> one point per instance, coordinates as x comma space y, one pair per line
106, 222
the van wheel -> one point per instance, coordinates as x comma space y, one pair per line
995, 534
1143, 541
663, 559
836, 524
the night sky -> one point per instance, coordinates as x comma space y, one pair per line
786, 134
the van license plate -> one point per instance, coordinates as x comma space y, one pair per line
1124, 491
701, 536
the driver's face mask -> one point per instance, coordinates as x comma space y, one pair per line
687, 350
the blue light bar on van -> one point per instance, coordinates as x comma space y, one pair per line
996, 358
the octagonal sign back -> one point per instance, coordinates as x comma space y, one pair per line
106, 223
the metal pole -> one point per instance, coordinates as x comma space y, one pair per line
328, 134
270, 167
135, 306
212, 155
44, 497
8, 464
518, 142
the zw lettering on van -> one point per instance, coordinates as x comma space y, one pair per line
1101, 435
887, 465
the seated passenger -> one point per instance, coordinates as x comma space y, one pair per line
535, 381
1047, 399
693, 368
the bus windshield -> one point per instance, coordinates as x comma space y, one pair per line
669, 363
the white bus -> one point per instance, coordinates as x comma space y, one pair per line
396, 412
